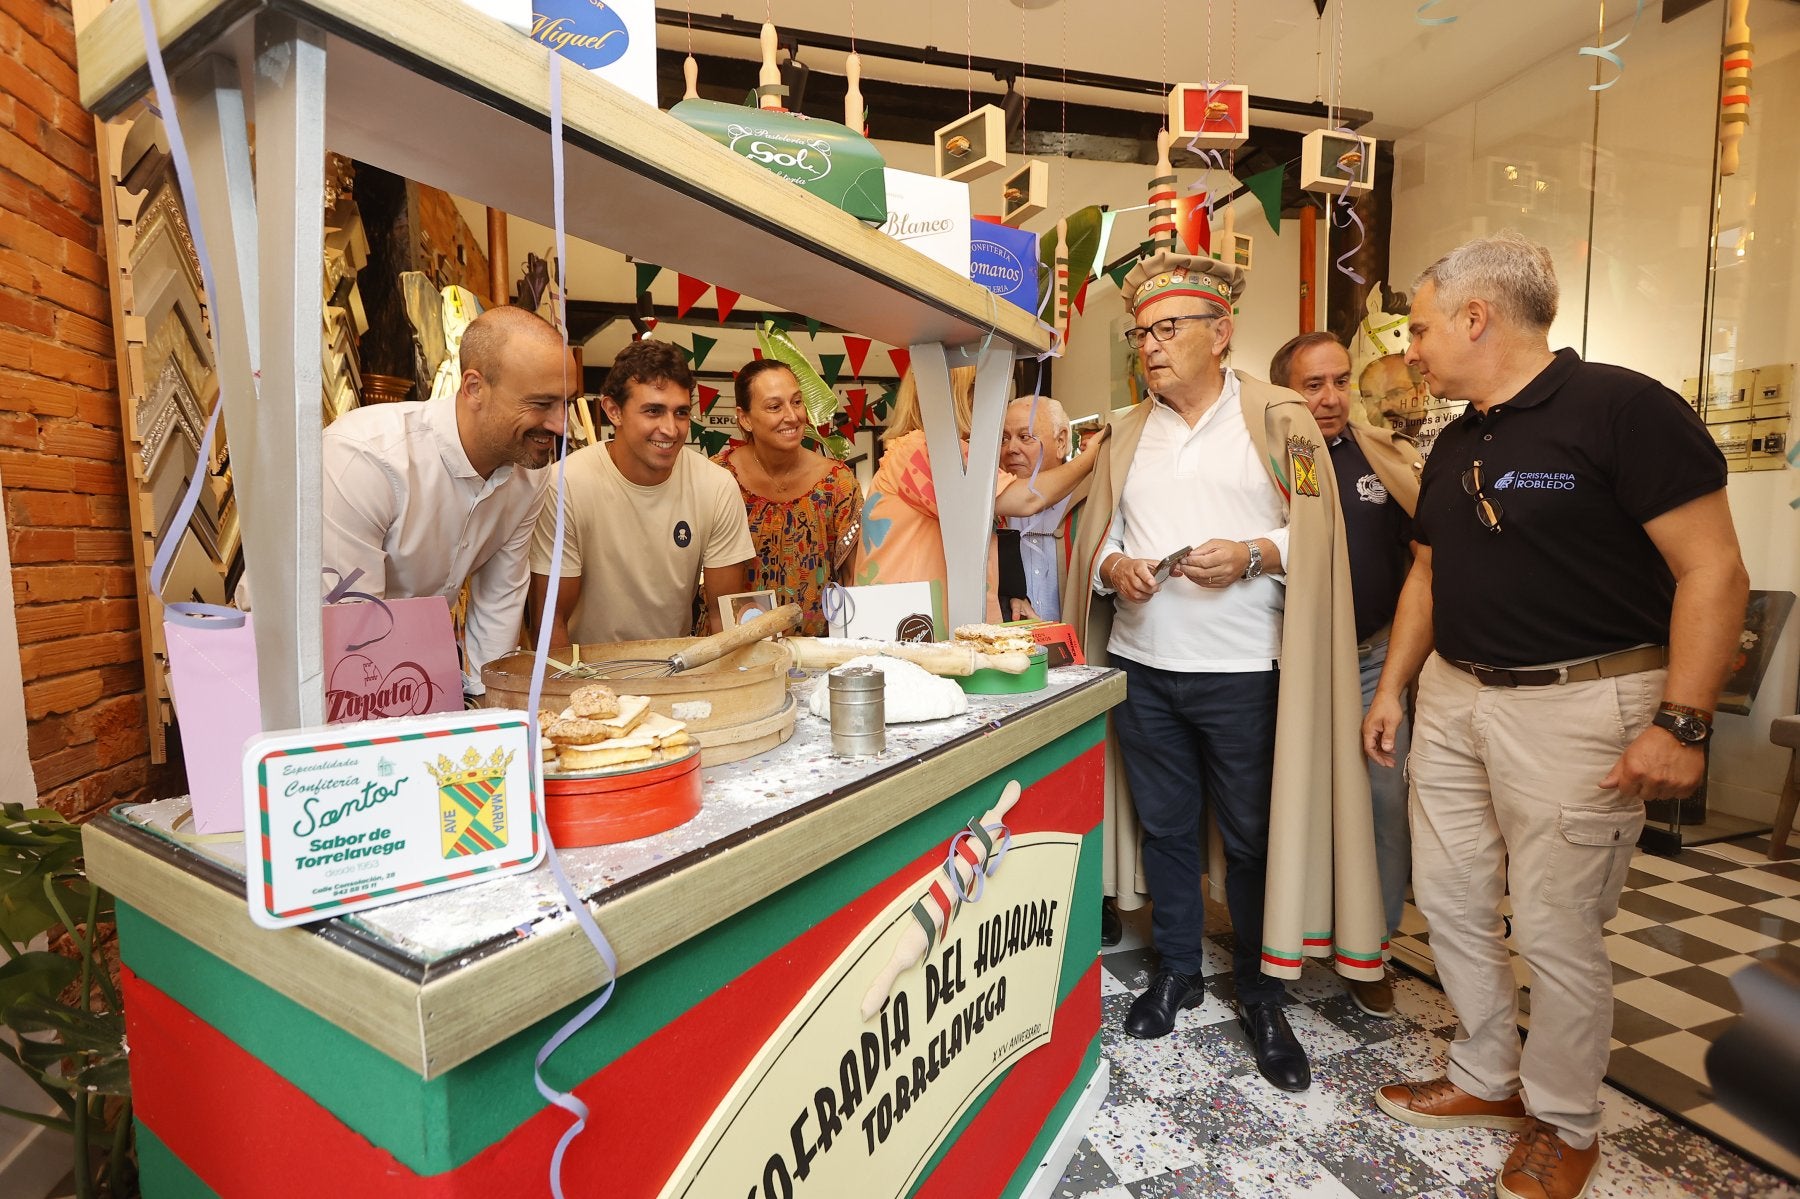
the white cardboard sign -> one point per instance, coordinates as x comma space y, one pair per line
931, 215
353, 816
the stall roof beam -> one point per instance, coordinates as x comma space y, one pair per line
440, 93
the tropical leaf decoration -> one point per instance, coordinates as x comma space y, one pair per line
822, 403
1084, 244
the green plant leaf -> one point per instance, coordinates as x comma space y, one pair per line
39, 973
109, 1076
78, 1031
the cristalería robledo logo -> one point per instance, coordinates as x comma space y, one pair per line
995, 267
358, 691
1535, 480
586, 32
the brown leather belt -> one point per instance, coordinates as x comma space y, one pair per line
1608, 666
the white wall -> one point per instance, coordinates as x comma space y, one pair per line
17, 784
1637, 160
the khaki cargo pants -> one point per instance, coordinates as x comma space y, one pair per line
1506, 782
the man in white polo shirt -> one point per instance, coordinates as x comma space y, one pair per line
424, 496
1212, 514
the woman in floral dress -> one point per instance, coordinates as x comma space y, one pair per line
805, 509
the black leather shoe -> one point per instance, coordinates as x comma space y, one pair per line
1110, 927
1152, 1014
1278, 1054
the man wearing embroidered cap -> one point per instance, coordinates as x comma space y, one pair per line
1244, 643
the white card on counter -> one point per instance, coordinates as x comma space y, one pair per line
353, 816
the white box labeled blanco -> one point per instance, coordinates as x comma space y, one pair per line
353, 816
931, 215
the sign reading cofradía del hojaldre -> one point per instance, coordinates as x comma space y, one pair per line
835, 1105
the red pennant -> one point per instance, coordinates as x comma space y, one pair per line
757, 350
1192, 225
688, 291
858, 401
649, 327
902, 360
708, 397
858, 350
1081, 297
727, 300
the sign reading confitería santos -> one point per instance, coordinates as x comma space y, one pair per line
835, 1105
352, 816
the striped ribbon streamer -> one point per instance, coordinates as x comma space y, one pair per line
1608, 52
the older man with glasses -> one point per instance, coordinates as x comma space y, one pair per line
1209, 567
1574, 601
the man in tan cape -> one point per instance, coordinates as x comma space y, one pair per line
1378, 488
1235, 469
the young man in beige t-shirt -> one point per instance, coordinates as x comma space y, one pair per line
643, 517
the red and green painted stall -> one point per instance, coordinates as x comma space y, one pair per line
350, 1058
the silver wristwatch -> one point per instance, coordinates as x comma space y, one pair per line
1254, 566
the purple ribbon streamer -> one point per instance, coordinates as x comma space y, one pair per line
164, 110
1210, 160
563, 1099
981, 874
1342, 214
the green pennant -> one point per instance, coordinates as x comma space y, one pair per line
702, 347
813, 326
712, 441
831, 367
646, 275
781, 323
1266, 187
1117, 274
687, 355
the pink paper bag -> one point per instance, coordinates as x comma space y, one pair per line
212, 671
389, 658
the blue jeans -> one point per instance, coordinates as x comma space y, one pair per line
1387, 798
1189, 739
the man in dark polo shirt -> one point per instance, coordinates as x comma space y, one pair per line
1579, 576
1378, 484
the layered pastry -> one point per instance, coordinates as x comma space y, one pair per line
995, 638
630, 736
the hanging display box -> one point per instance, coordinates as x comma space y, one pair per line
832, 162
1004, 260
1215, 116
972, 146
1025, 193
1332, 160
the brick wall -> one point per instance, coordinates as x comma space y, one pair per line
61, 450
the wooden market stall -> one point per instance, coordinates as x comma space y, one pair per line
391, 1052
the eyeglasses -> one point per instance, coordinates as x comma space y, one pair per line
1486, 511
1162, 330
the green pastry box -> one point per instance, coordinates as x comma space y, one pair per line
997, 682
830, 160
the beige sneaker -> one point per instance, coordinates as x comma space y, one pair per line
1544, 1166
1440, 1103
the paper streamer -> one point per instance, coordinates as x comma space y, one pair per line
563, 1099
1343, 215
1608, 53
1426, 7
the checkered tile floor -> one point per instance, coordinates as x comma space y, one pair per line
1188, 1115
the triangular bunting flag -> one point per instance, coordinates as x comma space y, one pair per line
781, 323
1106, 227
1117, 274
702, 347
1266, 187
757, 350
858, 350
902, 360
708, 397
857, 402
649, 325
646, 275
688, 291
812, 326
831, 368
727, 300
1081, 297
687, 355
1191, 223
